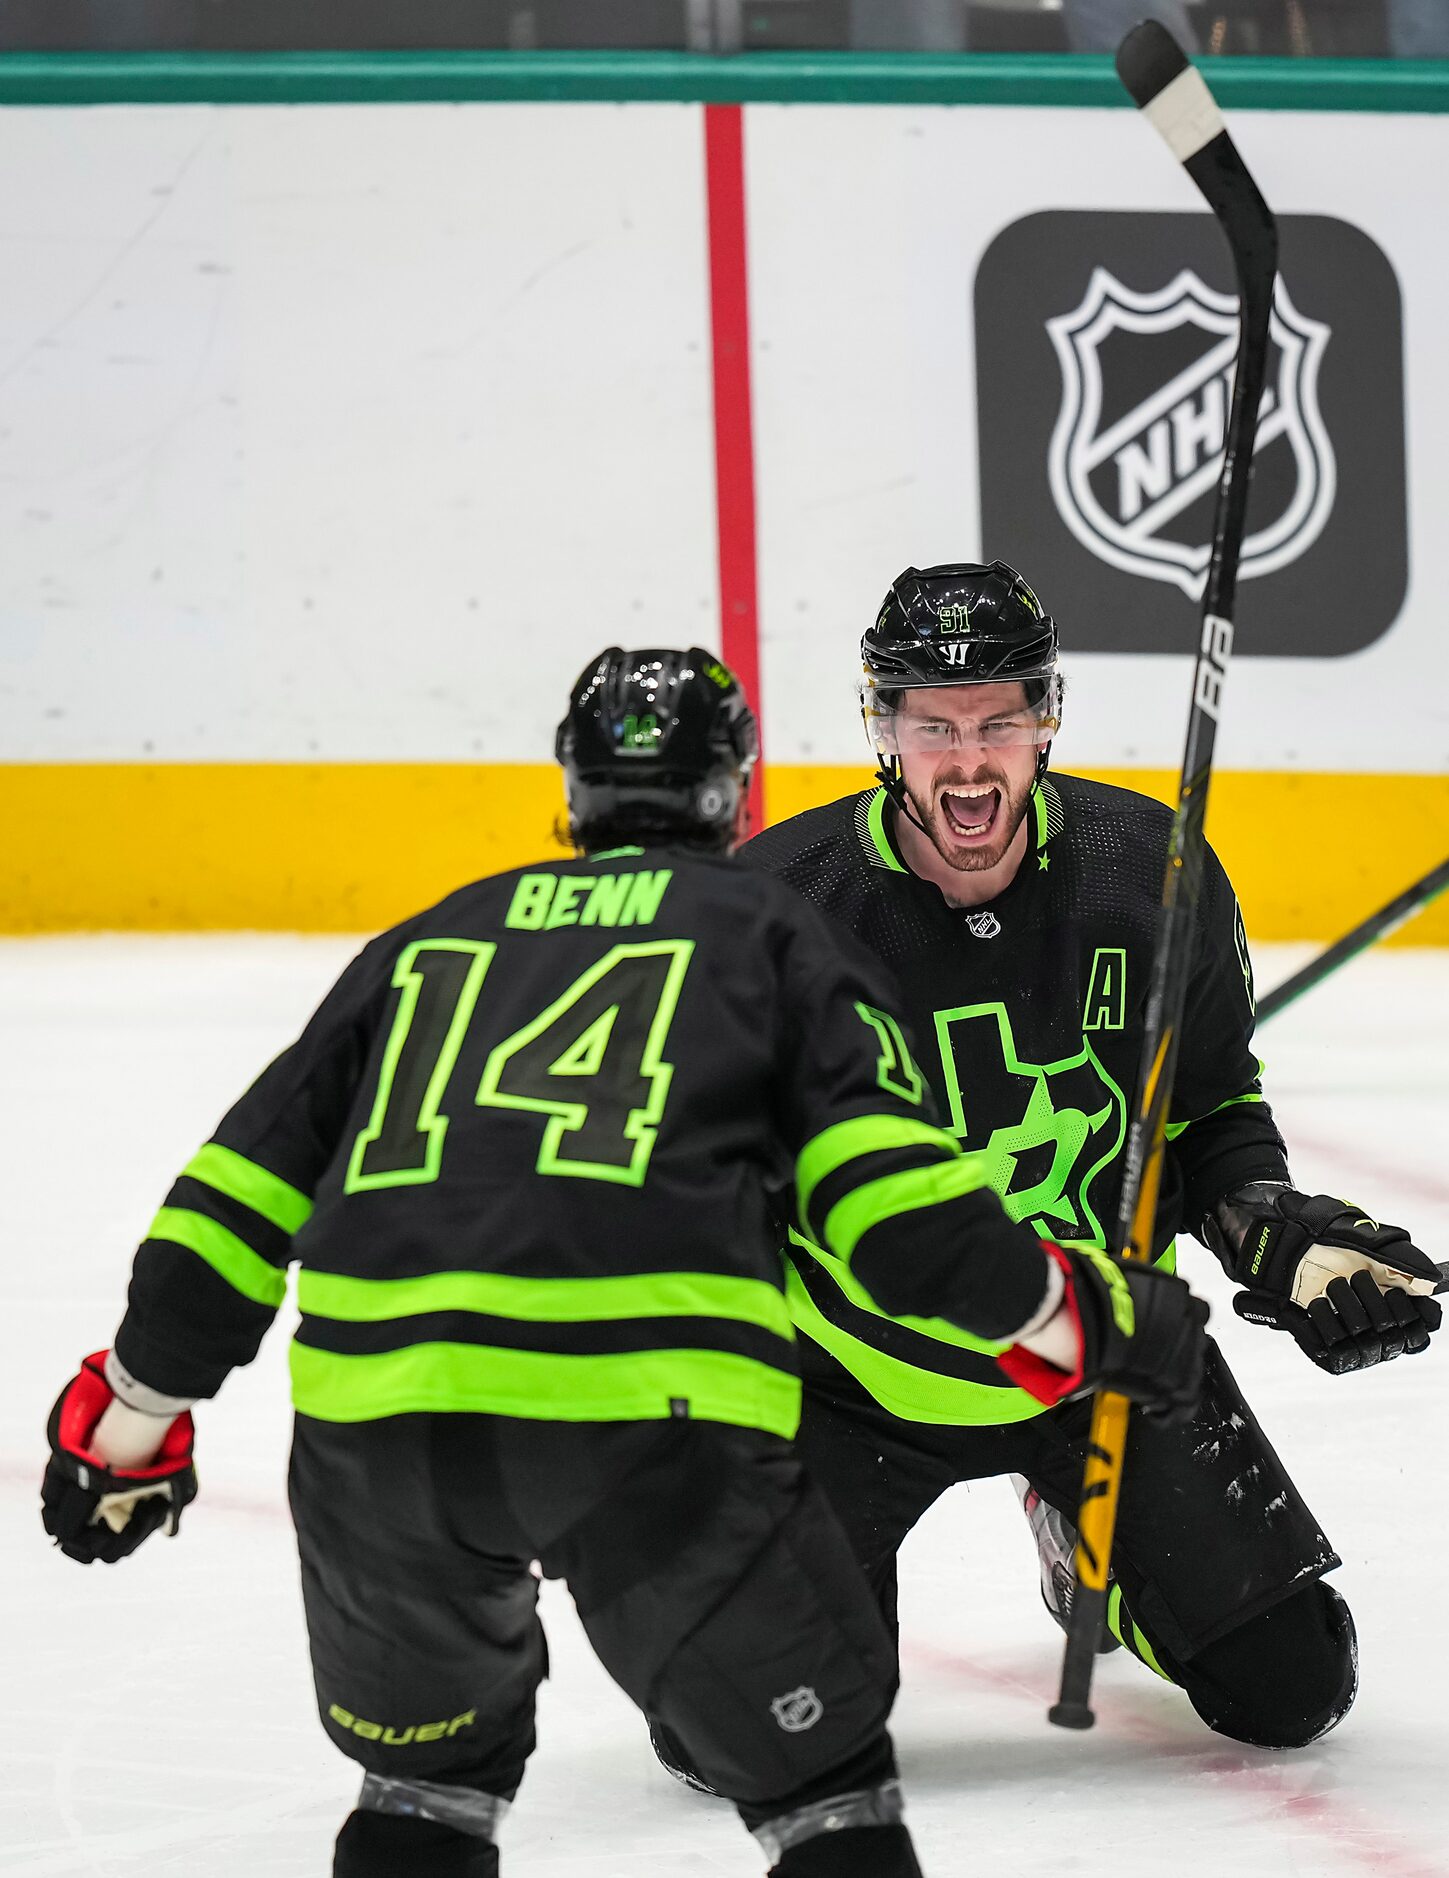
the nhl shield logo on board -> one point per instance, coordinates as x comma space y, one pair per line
1132, 489
1106, 347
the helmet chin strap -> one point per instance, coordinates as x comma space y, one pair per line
888, 775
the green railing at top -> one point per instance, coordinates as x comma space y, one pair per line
54, 78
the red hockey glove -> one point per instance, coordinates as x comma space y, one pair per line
95, 1511
1138, 1330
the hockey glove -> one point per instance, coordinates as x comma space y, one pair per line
1351, 1291
1138, 1330
95, 1511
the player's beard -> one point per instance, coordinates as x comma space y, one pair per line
973, 857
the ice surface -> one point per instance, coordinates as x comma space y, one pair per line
158, 1716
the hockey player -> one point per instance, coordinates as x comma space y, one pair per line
520, 1155
1017, 910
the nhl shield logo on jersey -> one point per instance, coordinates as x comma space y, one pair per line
798, 1710
1136, 453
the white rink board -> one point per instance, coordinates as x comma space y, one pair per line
329, 430
348, 432
159, 1720
867, 228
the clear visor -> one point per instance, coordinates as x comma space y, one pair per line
925, 721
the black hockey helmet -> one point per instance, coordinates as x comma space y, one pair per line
963, 623
657, 743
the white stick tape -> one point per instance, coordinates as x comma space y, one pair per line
1185, 114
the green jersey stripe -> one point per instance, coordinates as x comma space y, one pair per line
910, 1390
916, 1395
1174, 1129
864, 1134
229, 1257
850, 1219
548, 1300
240, 1179
456, 1378
940, 1329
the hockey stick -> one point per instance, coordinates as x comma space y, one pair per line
1178, 104
1377, 926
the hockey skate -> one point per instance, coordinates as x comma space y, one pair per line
1056, 1542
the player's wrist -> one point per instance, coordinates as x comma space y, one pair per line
133, 1426
1052, 1332
1236, 1217
139, 1396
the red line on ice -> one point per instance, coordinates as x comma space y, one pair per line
1392, 1173
1354, 1837
734, 449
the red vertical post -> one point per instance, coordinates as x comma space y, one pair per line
734, 450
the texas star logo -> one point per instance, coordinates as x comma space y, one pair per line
1043, 1131
1138, 445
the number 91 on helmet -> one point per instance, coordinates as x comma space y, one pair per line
958, 626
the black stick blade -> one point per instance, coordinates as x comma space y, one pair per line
1148, 60
1169, 91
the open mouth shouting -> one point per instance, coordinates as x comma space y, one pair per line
971, 811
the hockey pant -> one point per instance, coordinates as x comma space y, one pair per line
1218, 1561
710, 1576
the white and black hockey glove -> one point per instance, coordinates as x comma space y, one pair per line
1350, 1290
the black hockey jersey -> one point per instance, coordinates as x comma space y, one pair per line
522, 1151
1029, 1015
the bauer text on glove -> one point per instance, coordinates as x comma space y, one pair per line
1352, 1291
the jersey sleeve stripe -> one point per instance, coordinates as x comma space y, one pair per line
1174, 1129
228, 1256
906, 1387
851, 1218
808, 1257
547, 1300
863, 1134
278, 1202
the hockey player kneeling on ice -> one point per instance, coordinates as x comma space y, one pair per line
521, 1155
1017, 910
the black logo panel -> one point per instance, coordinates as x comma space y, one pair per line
1104, 362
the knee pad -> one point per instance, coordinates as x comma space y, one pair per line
1283, 1679
789, 1678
